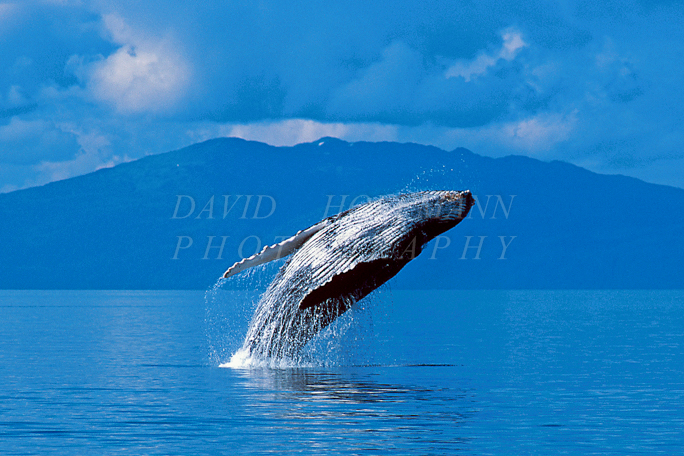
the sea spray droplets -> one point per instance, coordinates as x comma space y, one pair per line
423, 181
349, 340
229, 304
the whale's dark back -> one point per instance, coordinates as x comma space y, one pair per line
350, 257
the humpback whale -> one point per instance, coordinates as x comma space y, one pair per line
338, 261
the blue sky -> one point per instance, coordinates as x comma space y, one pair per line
89, 84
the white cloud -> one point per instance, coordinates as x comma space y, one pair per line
512, 44
143, 75
94, 154
85, 162
137, 80
534, 136
119, 32
295, 131
537, 134
9, 188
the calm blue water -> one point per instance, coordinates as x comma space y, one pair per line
520, 372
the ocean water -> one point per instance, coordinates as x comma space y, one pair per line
406, 372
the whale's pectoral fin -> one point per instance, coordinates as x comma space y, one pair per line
276, 251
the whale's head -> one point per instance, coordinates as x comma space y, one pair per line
416, 218
436, 211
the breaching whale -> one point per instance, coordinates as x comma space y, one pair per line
338, 261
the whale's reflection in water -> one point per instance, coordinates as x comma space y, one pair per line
403, 405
